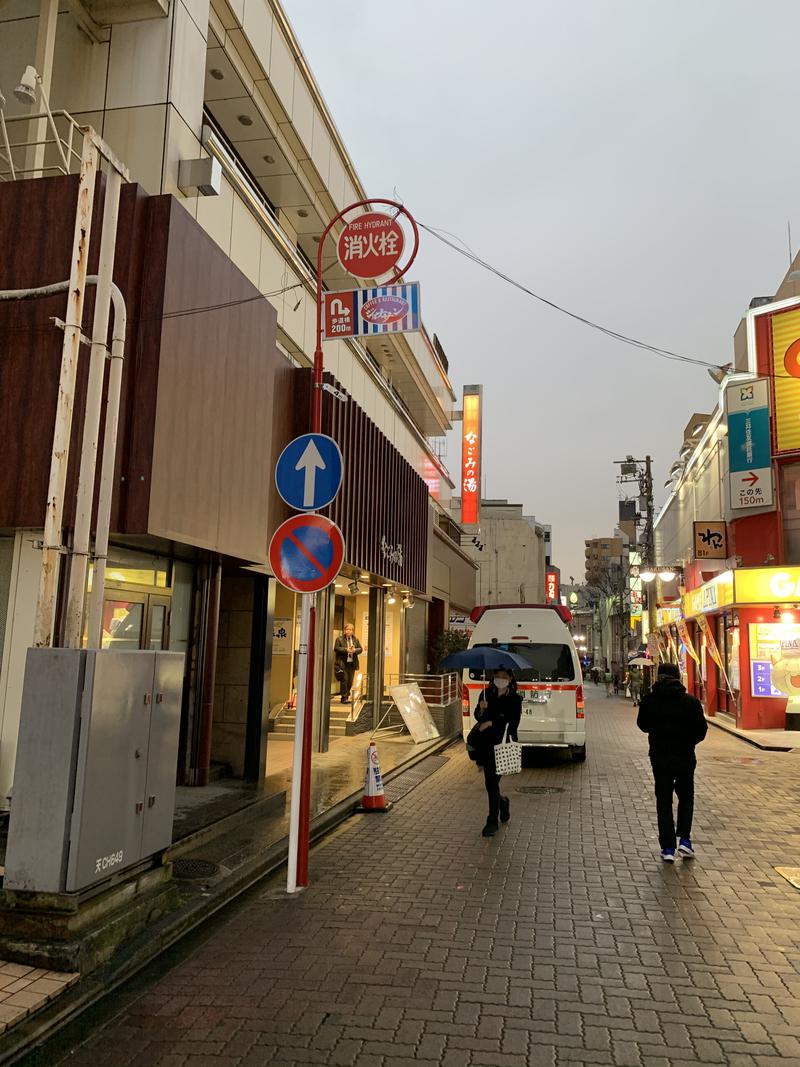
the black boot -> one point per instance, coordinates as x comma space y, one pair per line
490, 829
505, 809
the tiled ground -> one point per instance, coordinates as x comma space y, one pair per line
25, 989
562, 940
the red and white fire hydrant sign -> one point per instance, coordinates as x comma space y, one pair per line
371, 245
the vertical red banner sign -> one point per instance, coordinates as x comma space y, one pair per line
551, 587
471, 456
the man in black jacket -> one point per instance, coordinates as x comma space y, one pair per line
674, 723
346, 650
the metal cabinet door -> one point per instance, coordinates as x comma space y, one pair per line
108, 814
162, 752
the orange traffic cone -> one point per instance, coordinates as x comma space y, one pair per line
374, 798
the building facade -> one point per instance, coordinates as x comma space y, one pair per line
512, 552
219, 283
731, 531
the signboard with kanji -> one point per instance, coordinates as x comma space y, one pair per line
370, 245
551, 587
710, 540
364, 312
471, 455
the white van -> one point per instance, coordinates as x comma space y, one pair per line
552, 690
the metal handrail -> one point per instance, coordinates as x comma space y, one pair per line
439, 690
68, 154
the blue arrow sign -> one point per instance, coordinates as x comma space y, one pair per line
308, 473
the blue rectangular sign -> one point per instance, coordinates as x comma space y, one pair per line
761, 679
748, 439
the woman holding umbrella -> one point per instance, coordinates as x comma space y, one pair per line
499, 710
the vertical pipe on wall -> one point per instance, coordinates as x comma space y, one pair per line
91, 421
59, 461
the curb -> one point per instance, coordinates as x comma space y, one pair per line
23, 1039
732, 731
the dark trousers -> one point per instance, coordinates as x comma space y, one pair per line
346, 684
492, 782
674, 776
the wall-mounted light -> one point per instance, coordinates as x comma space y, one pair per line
647, 575
408, 601
666, 575
353, 587
391, 599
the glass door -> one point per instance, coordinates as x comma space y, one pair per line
157, 629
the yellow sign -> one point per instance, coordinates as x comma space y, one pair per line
767, 585
714, 595
665, 616
785, 362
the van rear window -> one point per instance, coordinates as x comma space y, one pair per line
548, 663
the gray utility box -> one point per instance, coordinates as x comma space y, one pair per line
94, 781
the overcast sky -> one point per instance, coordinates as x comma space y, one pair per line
633, 160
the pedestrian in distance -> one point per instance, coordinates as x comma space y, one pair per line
498, 712
674, 723
608, 678
635, 683
346, 650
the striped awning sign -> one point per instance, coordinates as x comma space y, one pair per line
369, 312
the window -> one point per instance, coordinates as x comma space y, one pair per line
549, 663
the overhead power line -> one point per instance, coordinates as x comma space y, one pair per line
656, 350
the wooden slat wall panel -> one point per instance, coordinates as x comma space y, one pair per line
382, 494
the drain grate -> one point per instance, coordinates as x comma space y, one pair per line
192, 869
414, 776
539, 790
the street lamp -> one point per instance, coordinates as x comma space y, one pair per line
647, 574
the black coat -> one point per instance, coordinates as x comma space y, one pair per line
503, 711
673, 720
340, 651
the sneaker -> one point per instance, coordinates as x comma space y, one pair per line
505, 809
668, 855
489, 830
685, 848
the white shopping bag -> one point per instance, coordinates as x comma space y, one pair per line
508, 758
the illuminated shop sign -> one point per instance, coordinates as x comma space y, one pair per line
471, 456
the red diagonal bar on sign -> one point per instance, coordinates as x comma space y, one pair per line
311, 559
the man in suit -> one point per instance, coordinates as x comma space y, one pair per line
346, 650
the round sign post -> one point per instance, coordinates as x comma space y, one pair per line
374, 241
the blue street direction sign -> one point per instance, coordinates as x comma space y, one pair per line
308, 473
749, 445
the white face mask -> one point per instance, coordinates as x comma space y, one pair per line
501, 684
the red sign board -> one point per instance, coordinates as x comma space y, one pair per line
306, 553
370, 245
471, 459
551, 587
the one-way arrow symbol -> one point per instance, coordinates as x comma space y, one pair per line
310, 461
752, 478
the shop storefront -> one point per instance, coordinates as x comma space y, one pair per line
745, 630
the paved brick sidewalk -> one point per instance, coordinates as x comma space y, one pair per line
562, 940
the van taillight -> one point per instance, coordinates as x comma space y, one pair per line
579, 705
465, 701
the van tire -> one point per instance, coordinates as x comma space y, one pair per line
578, 753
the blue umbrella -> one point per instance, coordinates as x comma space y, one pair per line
485, 658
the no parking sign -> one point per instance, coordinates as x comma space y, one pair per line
306, 553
